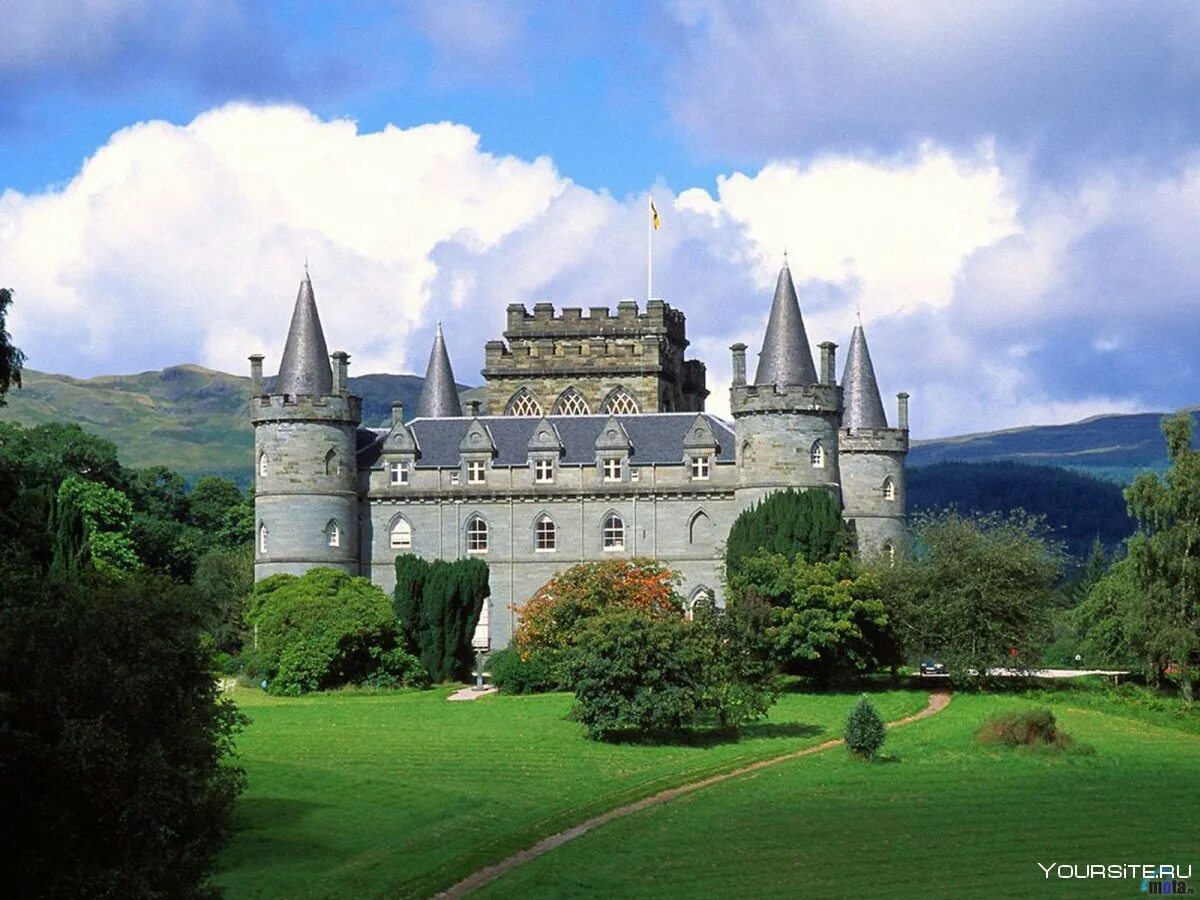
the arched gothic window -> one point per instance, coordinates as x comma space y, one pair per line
816, 455
331, 463
477, 535
620, 403
333, 534
699, 595
545, 534
889, 553
523, 403
612, 532
889, 488
401, 535
262, 537
571, 403
699, 528
262, 464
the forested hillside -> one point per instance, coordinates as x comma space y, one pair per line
1077, 508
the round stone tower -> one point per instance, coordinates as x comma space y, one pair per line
872, 457
787, 421
305, 454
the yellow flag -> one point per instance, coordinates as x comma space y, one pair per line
654, 216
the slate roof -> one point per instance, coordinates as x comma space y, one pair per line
863, 408
786, 357
656, 438
439, 395
304, 368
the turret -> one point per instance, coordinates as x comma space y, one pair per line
787, 421
872, 457
305, 430
439, 395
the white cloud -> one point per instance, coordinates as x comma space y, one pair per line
993, 301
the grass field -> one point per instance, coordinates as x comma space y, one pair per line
354, 795
948, 818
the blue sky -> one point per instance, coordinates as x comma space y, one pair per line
1009, 193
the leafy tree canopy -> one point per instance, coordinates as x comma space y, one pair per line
11, 357
789, 523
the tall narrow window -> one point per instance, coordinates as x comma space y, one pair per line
699, 596
620, 403
477, 535
401, 536
333, 534
612, 469
545, 534
889, 553
889, 488
612, 532
523, 403
262, 464
700, 466
571, 403
262, 537
699, 528
399, 472
331, 463
816, 455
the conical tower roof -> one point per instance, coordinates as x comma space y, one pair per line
786, 357
860, 392
304, 368
439, 396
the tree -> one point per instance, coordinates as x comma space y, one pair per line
865, 729
114, 745
438, 605
1165, 556
107, 515
1107, 620
223, 582
826, 620
11, 357
790, 523
326, 628
975, 589
218, 507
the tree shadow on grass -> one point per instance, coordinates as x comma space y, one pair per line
266, 813
715, 737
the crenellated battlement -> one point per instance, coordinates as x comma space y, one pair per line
750, 399
305, 408
873, 440
658, 319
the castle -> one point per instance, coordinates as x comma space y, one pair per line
594, 445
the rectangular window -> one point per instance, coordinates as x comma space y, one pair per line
634, 474
399, 472
454, 477
476, 472
700, 468
612, 470
543, 471
545, 535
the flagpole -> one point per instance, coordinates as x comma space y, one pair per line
649, 249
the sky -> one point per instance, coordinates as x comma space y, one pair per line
1007, 195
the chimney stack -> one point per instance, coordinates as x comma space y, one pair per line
739, 364
827, 362
397, 414
473, 406
256, 379
341, 366
902, 404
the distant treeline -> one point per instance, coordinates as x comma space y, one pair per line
1077, 508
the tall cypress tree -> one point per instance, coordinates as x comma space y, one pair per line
71, 551
793, 523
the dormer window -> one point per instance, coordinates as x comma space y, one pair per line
612, 469
816, 455
700, 468
398, 472
543, 471
476, 472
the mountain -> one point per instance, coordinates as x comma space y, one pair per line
192, 419
1114, 448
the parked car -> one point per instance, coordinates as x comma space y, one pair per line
932, 667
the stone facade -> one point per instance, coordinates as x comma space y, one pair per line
532, 492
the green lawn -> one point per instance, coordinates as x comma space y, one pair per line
950, 818
354, 795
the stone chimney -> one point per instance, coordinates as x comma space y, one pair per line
397, 414
341, 366
473, 408
256, 378
739, 364
828, 363
902, 411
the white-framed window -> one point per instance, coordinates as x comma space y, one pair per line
262, 464
477, 535
398, 472
816, 455
476, 471
545, 534
700, 465
401, 535
262, 537
543, 471
571, 403
333, 534
454, 477
523, 403
889, 553
889, 488
612, 532
634, 474
611, 466
620, 403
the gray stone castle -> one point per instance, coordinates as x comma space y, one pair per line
594, 444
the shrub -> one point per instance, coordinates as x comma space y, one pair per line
805, 524
438, 606
1028, 728
865, 730
513, 675
320, 630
